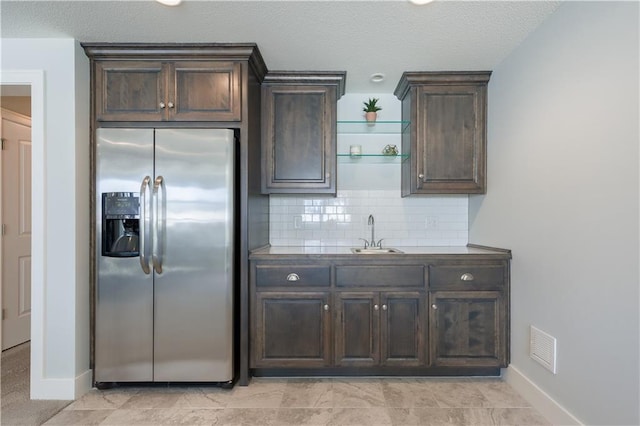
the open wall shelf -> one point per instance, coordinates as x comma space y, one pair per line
376, 127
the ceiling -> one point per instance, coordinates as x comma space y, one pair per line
360, 37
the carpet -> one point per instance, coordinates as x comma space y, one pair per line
16, 407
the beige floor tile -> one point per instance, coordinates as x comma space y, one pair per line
442, 416
207, 398
308, 393
404, 416
500, 394
304, 416
504, 417
457, 394
358, 393
133, 417
153, 398
79, 417
102, 399
360, 417
163, 416
407, 393
259, 394
323, 401
247, 416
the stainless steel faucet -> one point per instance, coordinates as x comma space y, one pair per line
372, 223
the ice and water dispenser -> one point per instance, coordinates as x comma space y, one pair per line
120, 222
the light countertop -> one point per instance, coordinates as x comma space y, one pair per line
340, 250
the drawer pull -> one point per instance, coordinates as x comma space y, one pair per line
293, 277
467, 277
326, 307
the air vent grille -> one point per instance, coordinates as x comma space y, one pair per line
542, 348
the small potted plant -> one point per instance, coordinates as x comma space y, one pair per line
371, 109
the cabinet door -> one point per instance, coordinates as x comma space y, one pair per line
130, 91
357, 329
299, 139
292, 329
451, 139
205, 91
402, 329
467, 329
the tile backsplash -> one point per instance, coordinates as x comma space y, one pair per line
311, 220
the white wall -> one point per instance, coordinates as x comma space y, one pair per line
60, 285
563, 195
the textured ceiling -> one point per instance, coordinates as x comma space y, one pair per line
361, 37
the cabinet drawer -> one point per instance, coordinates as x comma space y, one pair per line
467, 276
293, 275
380, 275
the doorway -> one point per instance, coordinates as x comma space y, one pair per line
15, 215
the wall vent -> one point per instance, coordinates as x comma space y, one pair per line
542, 348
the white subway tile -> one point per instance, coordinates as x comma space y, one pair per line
343, 220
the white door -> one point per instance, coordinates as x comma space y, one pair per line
16, 228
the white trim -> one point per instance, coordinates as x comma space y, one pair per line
40, 387
63, 389
59, 389
84, 383
539, 399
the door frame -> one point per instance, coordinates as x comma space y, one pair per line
24, 120
35, 79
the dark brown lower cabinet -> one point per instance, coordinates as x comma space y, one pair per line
379, 328
345, 315
467, 329
292, 329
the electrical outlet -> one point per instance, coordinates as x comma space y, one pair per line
431, 222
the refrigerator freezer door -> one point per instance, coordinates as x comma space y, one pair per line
193, 255
124, 293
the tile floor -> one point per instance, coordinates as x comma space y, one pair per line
331, 401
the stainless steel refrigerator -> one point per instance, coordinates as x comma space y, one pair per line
165, 255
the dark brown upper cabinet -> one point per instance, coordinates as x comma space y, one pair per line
181, 83
299, 131
447, 138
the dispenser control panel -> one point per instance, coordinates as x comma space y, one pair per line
120, 205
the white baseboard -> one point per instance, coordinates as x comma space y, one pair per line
61, 389
539, 399
84, 383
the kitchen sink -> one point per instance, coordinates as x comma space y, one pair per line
375, 250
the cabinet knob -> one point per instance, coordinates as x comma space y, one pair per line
162, 105
326, 307
434, 306
376, 307
170, 105
421, 176
467, 277
384, 307
293, 277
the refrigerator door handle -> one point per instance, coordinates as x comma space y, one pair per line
160, 223
145, 217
